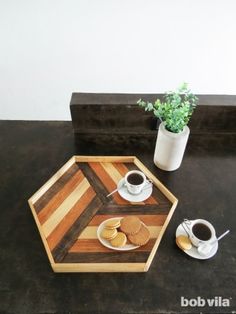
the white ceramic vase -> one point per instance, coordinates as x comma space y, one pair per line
170, 148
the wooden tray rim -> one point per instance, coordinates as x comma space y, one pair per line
99, 267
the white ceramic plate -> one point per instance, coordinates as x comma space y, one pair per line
145, 194
193, 252
127, 247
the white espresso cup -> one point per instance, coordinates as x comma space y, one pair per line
135, 181
200, 231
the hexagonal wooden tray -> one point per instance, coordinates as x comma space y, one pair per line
70, 206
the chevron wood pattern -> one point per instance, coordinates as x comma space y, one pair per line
71, 205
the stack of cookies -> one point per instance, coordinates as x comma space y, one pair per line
110, 233
129, 229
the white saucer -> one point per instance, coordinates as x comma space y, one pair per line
127, 247
145, 194
193, 252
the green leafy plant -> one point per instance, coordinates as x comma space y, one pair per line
176, 108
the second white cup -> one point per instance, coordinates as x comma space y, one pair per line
200, 231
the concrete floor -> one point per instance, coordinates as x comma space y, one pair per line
31, 152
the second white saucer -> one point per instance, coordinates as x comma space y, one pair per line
193, 252
145, 194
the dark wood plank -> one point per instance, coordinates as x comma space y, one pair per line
111, 257
107, 181
94, 181
160, 197
67, 222
55, 188
111, 209
71, 236
60, 197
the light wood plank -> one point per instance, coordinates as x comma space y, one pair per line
60, 196
68, 220
95, 267
112, 171
65, 207
89, 233
104, 158
162, 231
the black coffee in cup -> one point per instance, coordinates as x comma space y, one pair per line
201, 231
135, 179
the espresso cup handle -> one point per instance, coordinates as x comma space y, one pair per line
148, 181
187, 223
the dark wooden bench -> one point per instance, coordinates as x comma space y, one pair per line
118, 114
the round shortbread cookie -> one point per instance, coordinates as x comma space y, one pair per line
108, 234
113, 223
119, 240
140, 238
183, 242
130, 225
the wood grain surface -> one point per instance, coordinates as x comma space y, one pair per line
70, 211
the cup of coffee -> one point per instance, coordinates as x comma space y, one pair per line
135, 181
200, 231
